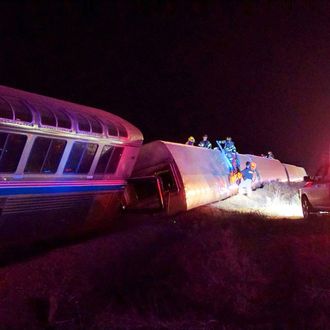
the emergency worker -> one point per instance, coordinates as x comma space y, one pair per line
235, 176
205, 143
248, 176
270, 155
253, 166
190, 141
230, 151
229, 145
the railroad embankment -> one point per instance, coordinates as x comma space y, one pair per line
209, 268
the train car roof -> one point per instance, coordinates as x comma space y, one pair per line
34, 110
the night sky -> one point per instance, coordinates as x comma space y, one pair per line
257, 72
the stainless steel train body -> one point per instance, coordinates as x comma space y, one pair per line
63, 166
176, 177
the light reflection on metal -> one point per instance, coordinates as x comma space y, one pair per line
202, 175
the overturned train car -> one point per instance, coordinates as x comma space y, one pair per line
63, 166
64, 170
176, 177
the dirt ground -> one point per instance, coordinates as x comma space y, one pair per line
210, 268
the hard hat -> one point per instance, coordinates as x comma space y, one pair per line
253, 165
191, 139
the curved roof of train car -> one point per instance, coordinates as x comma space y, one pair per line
295, 173
203, 172
84, 120
268, 169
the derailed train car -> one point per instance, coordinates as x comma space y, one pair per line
177, 177
64, 170
63, 166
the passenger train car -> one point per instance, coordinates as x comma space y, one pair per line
63, 166
174, 177
65, 169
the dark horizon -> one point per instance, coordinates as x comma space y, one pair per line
256, 72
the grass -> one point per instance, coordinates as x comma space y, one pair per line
205, 269
274, 200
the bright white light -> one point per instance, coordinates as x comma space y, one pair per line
274, 201
279, 208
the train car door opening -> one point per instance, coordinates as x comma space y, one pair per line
144, 194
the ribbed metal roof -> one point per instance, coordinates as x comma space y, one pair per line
30, 109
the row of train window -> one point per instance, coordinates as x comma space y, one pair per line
14, 109
46, 154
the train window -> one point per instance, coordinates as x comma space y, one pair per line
83, 124
87, 159
46, 115
104, 159
5, 110
63, 120
45, 155
80, 158
37, 156
12, 146
96, 126
114, 160
54, 156
75, 156
3, 138
109, 160
122, 131
112, 129
21, 111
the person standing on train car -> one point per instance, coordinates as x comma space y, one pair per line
248, 174
190, 141
270, 155
205, 143
229, 146
230, 151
